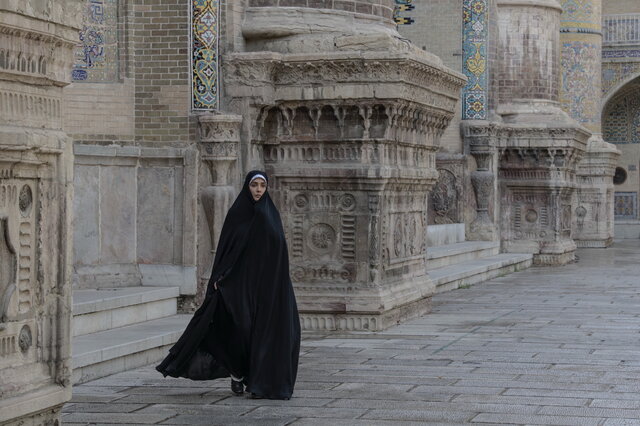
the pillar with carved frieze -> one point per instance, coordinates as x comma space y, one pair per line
36, 177
540, 146
346, 117
219, 139
580, 95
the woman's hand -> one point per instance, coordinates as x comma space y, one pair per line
215, 285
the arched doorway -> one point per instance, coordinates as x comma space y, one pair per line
621, 126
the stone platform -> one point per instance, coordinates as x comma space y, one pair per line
549, 345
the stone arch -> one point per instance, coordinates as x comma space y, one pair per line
617, 88
621, 126
620, 111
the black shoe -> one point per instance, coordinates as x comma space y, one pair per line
237, 387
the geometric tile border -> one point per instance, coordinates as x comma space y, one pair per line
204, 36
474, 59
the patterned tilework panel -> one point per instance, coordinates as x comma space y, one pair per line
616, 73
401, 13
626, 205
622, 118
96, 54
620, 53
204, 50
474, 63
580, 94
580, 14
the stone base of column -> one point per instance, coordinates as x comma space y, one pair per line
600, 243
349, 142
23, 410
540, 148
594, 209
374, 321
554, 259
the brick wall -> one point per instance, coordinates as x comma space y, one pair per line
161, 66
528, 59
99, 111
151, 101
438, 29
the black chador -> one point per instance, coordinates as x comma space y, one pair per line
248, 326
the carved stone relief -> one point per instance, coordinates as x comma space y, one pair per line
445, 197
8, 266
219, 137
345, 140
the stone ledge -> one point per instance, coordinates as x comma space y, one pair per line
23, 407
365, 322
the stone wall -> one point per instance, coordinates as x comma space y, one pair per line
133, 130
437, 28
36, 42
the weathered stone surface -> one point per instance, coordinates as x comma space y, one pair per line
36, 180
544, 346
346, 118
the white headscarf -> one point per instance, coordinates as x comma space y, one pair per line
258, 176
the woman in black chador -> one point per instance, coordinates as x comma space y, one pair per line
247, 326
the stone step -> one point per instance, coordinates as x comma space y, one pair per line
450, 254
106, 308
108, 352
474, 271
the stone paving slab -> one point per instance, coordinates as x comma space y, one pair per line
545, 346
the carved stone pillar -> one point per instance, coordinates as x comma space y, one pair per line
539, 144
581, 93
480, 142
219, 138
348, 118
36, 181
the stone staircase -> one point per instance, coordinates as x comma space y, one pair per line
453, 262
117, 329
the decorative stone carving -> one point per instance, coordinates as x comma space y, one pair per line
8, 268
24, 339
219, 151
350, 141
595, 194
445, 197
36, 158
480, 141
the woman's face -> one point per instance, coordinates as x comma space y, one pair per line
257, 187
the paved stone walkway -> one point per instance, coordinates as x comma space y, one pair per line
552, 346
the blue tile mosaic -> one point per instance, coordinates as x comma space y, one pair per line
204, 49
474, 63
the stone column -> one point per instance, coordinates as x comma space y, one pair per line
479, 49
539, 144
219, 137
580, 96
346, 117
36, 179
